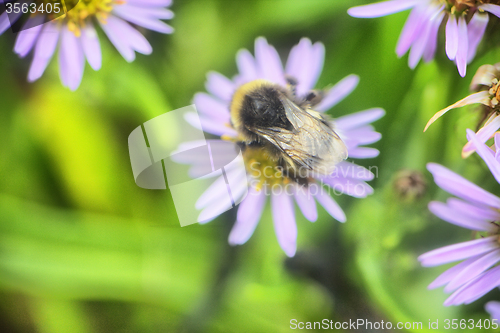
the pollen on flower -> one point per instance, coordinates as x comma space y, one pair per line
262, 168
459, 6
486, 78
82, 10
486, 86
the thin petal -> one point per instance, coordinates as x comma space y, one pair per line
248, 216
298, 60
475, 211
352, 187
410, 30
358, 119
422, 40
71, 60
456, 217
381, 8
305, 63
476, 288
338, 92
363, 152
494, 9
475, 29
210, 125
284, 222
479, 97
483, 135
269, 62
91, 46
430, 49
452, 37
330, 205
139, 16
486, 154
458, 251
115, 34
450, 273
463, 47
26, 38
493, 308
246, 66
44, 50
353, 171
461, 187
214, 193
220, 86
473, 270
211, 107
307, 204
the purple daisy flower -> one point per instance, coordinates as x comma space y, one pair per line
77, 37
304, 65
474, 209
466, 23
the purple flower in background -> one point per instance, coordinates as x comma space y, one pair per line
304, 65
493, 308
474, 209
466, 23
77, 38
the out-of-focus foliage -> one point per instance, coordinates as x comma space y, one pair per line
83, 249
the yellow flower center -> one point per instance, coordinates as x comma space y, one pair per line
79, 12
263, 167
464, 7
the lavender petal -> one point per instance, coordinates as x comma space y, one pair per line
284, 222
461, 187
476, 28
269, 62
44, 50
381, 8
486, 154
463, 46
493, 308
458, 251
306, 203
358, 119
220, 86
493, 9
338, 92
457, 217
450, 273
330, 205
473, 270
91, 46
452, 38
211, 107
476, 288
248, 216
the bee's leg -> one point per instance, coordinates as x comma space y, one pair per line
313, 98
292, 84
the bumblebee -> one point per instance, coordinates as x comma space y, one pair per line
286, 128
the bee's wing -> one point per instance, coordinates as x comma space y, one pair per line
312, 143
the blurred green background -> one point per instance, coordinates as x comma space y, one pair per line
83, 249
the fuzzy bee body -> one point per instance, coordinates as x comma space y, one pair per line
269, 116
